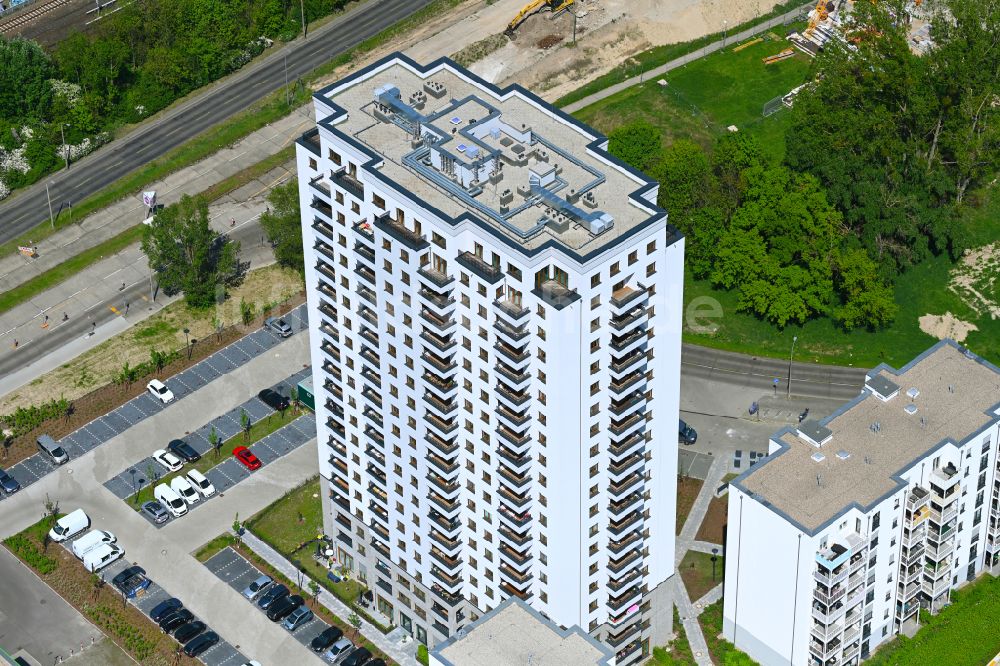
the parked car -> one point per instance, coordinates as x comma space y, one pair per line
171, 621
49, 448
69, 526
277, 592
183, 450
200, 483
279, 326
161, 609
159, 391
91, 540
155, 511
201, 643
338, 650
170, 500
686, 434
280, 609
167, 459
274, 400
8, 484
97, 558
131, 581
358, 657
246, 456
188, 631
326, 638
257, 588
183, 487
297, 618
375, 662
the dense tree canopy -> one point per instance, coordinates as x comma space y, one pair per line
899, 139
283, 225
188, 256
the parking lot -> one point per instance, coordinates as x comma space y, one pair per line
229, 471
114, 423
232, 568
220, 654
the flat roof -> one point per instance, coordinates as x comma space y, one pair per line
537, 174
957, 396
514, 634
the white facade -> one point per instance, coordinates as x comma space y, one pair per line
828, 587
497, 410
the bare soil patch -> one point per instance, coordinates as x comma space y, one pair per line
713, 527
976, 280
946, 326
687, 492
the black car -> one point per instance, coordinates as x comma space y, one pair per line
130, 581
686, 434
170, 622
376, 662
328, 637
201, 643
183, 450
188, 631
274, 594
274, 400
162, 609
358, 657
8, 484
280, 609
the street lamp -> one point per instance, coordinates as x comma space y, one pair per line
132, 472
725, 31
788, 387
62, 131
715, 556
48, 197
288, 101
187, 341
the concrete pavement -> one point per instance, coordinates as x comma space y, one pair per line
165, 553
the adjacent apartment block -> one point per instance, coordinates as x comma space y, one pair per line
495, 316
853, 524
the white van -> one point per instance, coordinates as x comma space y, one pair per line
96, 559
169, 499
91, 540
69, 526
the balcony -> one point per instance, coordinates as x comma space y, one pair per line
623, 324
436, 278
364, 230
446, 524
443, 407
556, 294
444, 388
324, 249
401, 233
630, 597
447, 597
631, 443
628, 361
449, 563
442, 324
518, 578
516, 502
517, 358
615, 584
378, 493
449, 544
439, 342
365, 273
628, 343
489, 272
380, 513
377, 529
322, 227
617, 547
381, 548
442, 446
348, 183
446, 506
322, 207
517, 462
447, 580
617, 566
514, 439
512, 591
634, 379
631, 464
511, 419
518, 380
327, 291
517, 520
513, 537
442, 304
443, 366
631, 482
626, 296
631, 503
368, 314
369, 356
444, 467
515, 558
311, 142
372, 397
511, 334
365, 252
830, 597
627, 406
515, 482
514, 313
449, 488
376, 474
369, 335
442, 427
513, 399
627, 425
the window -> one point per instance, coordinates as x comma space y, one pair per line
651, 270
312, 163
651, 247
378, 201
334, 157
595, 280
355, 208
615, 269
633, 257
514, 271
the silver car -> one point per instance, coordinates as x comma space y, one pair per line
279, 326
256, 588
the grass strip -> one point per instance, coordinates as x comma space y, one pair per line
658, 55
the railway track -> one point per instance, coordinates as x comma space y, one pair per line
23, 17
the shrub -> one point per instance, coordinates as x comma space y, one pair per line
28, 552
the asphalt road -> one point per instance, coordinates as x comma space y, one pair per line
30, 208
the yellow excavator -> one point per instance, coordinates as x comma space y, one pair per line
534, 6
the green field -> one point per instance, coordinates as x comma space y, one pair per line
963, 634
708, 95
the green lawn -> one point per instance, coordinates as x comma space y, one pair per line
963, 634
708, 95
721, 650
696, 572
258, 431
677, 652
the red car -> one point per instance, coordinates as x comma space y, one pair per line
246, 456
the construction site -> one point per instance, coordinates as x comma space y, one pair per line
832, 21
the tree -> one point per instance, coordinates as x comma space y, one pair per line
245, 423
865, 299
215, 441
314, 591
283, 225
25, 70
355, 621
246, 311
188, 256
636, 144
686, 181
158, 359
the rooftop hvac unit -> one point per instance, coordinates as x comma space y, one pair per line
600, 223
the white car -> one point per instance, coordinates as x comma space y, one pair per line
169, 499
187, 492
159, 391
200, 483
167, 459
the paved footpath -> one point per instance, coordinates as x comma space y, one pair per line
404, 655
730, 40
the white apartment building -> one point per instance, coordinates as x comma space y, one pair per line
851, 525
495, 316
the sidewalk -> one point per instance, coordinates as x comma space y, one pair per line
400, 654
730, 40
109, 222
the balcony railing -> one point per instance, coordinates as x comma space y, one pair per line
488, 272
348, 183
436, 278
400, 232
